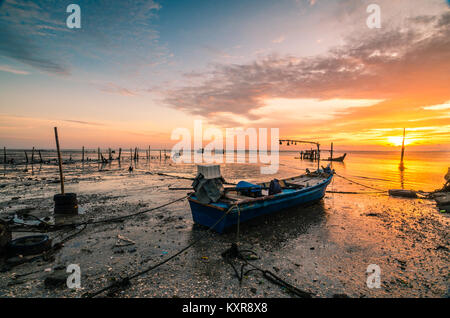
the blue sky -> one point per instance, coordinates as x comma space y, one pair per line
141, 68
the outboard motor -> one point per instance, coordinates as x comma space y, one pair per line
274, 187
208, 184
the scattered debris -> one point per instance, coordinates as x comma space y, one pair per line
124, 239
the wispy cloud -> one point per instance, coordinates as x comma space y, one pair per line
116, 89
280, 39
89, 123
9, 69
35, 33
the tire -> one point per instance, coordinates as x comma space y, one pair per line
29, 245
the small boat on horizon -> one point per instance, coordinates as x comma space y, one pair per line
338, 159
247, 201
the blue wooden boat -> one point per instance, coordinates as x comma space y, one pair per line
248, 201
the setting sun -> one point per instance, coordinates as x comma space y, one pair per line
397, 140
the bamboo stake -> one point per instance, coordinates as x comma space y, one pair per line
32, 155
331, 152
61, 177
26, 156
402, 167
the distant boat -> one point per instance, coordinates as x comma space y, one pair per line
339, 159
249, 201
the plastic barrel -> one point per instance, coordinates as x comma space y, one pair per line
66, 203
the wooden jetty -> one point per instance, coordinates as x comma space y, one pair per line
313, 154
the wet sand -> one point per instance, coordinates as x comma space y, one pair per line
323, 249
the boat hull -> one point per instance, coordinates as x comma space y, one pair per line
213, 214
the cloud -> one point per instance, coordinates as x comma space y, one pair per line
279, 39
83, 122
387, 64
116, 89
9, 69
20, 25
35, 33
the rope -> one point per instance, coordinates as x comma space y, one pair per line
48, 227
124, 282
363, 185
351, 192
234, 253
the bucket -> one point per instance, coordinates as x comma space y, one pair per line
66, 203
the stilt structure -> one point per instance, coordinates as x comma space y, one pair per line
402, 166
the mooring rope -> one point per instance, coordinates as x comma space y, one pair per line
363, 185
235, 253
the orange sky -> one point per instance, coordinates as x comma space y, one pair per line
319, 73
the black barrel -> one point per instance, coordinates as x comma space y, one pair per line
66, 203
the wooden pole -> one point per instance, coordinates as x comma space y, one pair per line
4, 154
159, 154
40, 157
149, 153
403, 149
61, 177
32, 155
131, 154
26, 156
120, 153
331, 152
318, 156
82, 154
98, 154
109, 152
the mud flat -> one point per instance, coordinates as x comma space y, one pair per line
323, 249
